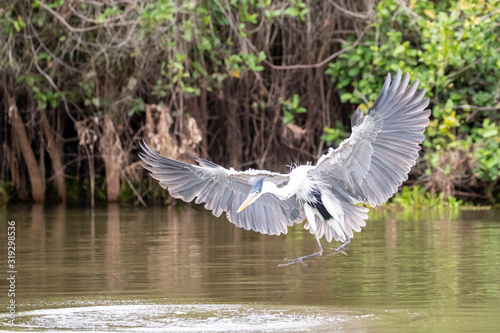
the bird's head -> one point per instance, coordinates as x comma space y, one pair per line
255, 192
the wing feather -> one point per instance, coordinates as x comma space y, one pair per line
223, 190
383, 146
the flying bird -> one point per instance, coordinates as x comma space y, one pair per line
368, 167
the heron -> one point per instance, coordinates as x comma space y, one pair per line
328, 197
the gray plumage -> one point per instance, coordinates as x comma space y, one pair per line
223, 190
367, 167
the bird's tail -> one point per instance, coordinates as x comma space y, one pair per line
353, 219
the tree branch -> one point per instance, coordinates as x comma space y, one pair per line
348, 12
319, 64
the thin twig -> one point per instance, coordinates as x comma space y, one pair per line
73, 29
133, 189
463, 69
322, 63
477, 108
487, 15
348, 12
246, 41
52, 83
363, 97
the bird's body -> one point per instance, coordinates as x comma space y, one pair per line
367, 167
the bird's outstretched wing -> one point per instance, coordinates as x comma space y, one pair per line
225, 190
372, 163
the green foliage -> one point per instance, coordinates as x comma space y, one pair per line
487, 152
6, 192
334, 136
135, 106
452, 48
419, 197
46, 98
9, 23
290, 108
114, 59
127, 195
154, 14
237, 63
297, 9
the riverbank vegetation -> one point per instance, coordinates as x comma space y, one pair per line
245, 83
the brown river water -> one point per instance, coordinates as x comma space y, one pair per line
179, 269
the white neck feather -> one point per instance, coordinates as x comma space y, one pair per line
299, 182
281, 192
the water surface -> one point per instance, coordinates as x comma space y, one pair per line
181, 269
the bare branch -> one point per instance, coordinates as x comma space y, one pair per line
73, 29
477, 108
348, 12
463, 69
322, 63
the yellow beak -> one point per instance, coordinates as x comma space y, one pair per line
251, 198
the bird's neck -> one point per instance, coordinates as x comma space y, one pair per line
299, 183
285, 192
282, 193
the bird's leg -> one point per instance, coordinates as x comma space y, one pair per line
300, 260
342, 248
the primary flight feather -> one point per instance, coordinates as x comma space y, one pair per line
368, 167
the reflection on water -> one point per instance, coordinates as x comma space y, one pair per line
440, 267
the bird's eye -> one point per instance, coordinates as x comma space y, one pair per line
257, 192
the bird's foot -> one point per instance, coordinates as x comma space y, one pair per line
300, 260
341, 249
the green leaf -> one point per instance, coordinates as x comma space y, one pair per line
251, 18
20, 21
188, 89
187, 36
345, 97
353, 72
398, 50
276, 13
288, 117
490, 133
96, 102
303, 13
53, 103
292, 11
